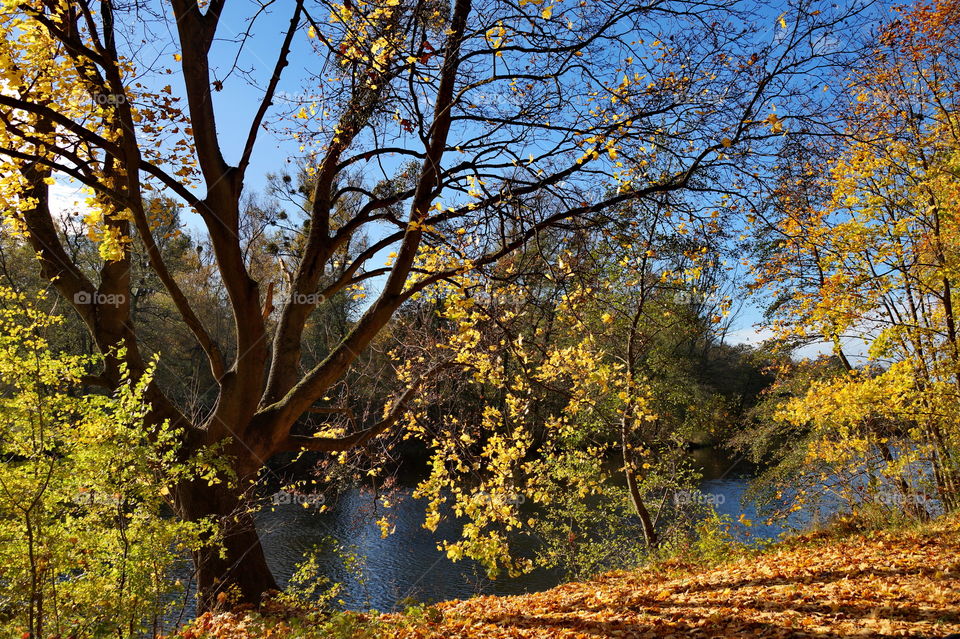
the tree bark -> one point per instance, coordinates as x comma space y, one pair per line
234, 568
649, 532
255, 413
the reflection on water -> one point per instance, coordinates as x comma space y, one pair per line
408, 566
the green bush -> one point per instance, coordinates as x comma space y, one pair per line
86, 546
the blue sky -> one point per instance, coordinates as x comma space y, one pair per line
243, 77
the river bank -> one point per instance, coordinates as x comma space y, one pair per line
892, 583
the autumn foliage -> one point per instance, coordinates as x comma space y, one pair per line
891, 584
863, 255
506, 236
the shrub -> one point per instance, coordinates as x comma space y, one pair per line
86, 546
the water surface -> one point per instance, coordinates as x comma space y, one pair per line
407, 565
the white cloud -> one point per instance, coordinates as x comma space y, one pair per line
750, 335
67, 199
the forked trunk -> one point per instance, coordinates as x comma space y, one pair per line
633, 487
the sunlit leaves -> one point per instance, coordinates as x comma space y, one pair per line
866, 260
85, 488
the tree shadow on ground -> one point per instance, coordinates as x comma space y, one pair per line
648, 615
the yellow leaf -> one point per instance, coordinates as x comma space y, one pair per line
775, 124
547, 13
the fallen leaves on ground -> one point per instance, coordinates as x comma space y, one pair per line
881, 584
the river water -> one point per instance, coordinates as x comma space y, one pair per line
407, 566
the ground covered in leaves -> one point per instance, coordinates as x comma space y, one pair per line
880, 584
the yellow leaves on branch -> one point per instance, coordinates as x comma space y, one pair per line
162, 128
496, 37
102, 229
776, 124
370, 37
547, 11
484, 468
849, 401
888, 197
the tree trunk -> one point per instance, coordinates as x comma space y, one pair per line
234, 569
636, 499
649, 532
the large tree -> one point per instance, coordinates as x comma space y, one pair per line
457, 131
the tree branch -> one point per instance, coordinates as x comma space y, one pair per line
271, 89
340, 444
